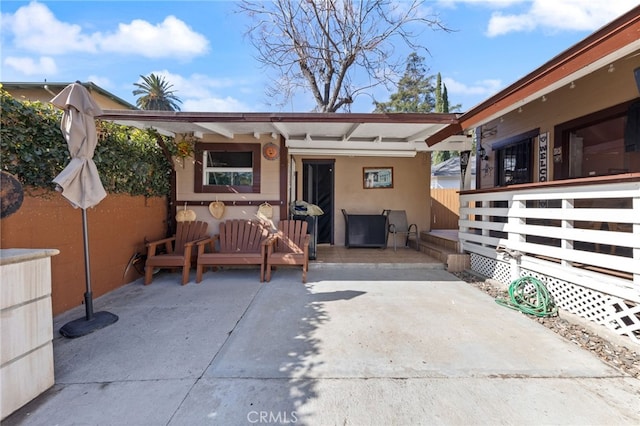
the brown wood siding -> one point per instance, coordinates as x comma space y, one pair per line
445, 205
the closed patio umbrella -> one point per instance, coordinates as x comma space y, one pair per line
81, 185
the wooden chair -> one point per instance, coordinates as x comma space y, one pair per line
399, 227
289, 246
178, 250
241, 242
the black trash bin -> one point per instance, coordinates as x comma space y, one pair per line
312, 230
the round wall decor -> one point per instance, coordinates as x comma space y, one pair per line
271, 151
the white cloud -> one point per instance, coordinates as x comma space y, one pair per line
199, 92
502, 24
34, 28
213, 104
103, 82
172, 38
559, 15
491, 4
200, 85
196, 85
483, 87
45, 65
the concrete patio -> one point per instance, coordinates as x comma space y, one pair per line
357, 345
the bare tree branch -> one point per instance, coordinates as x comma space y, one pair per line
319, 45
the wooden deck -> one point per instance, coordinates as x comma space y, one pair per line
328, 254
438, 248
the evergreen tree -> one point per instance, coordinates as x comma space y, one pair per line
416, 93
439, 93
445, 99
438, 157
415, 90
442, 105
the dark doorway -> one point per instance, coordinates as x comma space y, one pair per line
317, 188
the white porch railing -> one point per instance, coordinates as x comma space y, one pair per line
584, 231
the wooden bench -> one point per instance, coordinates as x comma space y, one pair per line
240, 242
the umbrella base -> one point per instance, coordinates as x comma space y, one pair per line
82, 326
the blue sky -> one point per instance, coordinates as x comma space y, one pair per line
201, 48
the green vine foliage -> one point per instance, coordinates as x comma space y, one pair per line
32, 147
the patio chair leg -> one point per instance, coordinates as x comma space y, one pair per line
199, 273
185, 274
267, 277
304, 274
148, 275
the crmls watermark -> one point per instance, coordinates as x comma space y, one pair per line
267, 417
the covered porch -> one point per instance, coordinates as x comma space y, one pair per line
328, 255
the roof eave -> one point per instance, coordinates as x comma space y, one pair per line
621, 32
267, 117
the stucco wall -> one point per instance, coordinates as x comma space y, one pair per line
410, 192
269, 186
595, 92
118, 227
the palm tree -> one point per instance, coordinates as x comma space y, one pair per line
156, 94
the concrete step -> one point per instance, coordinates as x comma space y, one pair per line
444, 249
448, 241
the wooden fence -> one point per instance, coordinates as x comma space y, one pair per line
445, 205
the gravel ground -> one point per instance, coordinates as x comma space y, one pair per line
624, 357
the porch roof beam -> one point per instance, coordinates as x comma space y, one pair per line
281, 129
143, 126
217, 128
351, 131
355, 145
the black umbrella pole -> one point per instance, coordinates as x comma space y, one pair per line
92, 321
88, 295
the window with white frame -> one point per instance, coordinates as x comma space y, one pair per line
227, 167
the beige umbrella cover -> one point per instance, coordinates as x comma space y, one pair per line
80, 180
81, 185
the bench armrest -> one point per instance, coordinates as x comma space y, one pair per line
153, 245
202, 244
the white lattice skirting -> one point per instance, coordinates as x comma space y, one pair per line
619, 315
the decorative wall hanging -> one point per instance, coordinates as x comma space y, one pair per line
271, 151
185, 215
216, 208
265, 210
377, 177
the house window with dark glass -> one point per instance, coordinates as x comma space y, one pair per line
227, 168
515, 161
603, 143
